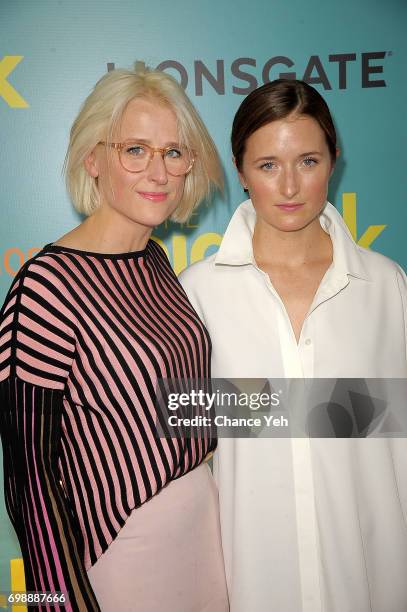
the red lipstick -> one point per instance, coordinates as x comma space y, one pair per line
153, 196
290, 206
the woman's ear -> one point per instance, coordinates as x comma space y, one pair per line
240, 175
91, 165
337, 153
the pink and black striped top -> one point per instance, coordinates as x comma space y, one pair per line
83, 339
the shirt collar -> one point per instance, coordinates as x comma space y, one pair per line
236, 248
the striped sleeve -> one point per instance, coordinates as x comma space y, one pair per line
36, 353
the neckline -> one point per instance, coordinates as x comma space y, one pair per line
56, 248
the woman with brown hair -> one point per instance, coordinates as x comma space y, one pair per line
310, 525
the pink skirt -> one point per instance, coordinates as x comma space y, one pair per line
168, 555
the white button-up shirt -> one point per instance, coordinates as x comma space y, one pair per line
309, 525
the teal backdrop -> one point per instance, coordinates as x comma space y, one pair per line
52, 53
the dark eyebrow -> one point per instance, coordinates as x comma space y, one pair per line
273, 157
310, 153
265, 158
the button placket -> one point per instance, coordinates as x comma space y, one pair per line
307, 347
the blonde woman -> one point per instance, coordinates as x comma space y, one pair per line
106, 511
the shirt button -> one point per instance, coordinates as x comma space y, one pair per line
308, 342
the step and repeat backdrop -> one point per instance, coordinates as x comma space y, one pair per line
52, 53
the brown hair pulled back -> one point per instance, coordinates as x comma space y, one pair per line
277, 100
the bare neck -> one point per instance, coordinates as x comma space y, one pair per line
107, 232
290, 249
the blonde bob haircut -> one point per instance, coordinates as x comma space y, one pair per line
99, 119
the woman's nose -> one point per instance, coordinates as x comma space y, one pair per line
289, 184
156, 170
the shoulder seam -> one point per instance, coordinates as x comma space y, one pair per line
13, 343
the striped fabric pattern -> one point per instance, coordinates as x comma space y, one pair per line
83, 340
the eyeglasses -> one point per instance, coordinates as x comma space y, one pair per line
135, 157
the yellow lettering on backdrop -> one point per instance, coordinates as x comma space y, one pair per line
162, 245
189, 223
350, 218
7, 255
11, 95
202, 243
179, 249
17, 581
179, 254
